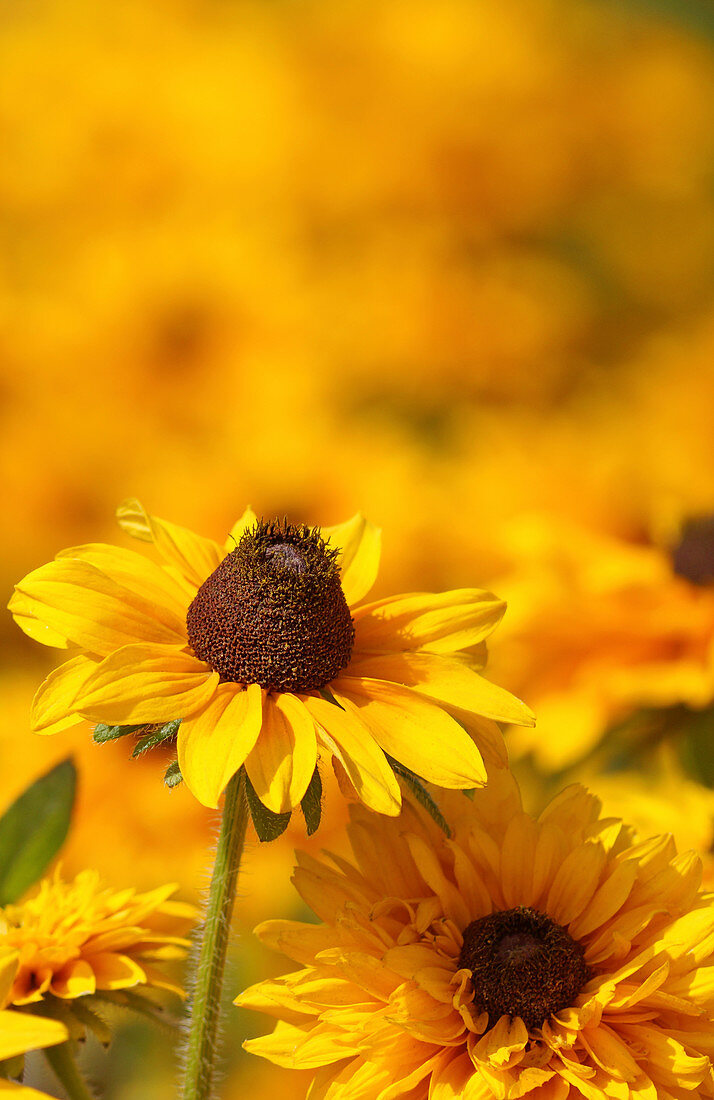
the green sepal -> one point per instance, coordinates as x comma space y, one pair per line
172, 775
140, 1005
34, 828
91, 1020
311, 804
104, 733
268, 826
420, 792
155, 737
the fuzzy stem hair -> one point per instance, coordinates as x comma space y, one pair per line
202, 1045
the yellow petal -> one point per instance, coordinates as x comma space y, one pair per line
351, 741
446, 679
192, 556
8, 971
442, 622
20, 1031
214, 743
75, 980
414, 731
22, 612
239, 528
575, 882
132, 570
281, 764
90, 609
146, 683
359, 542
54, 701
113, 971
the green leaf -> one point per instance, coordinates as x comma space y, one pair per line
155, 737
268, 826
104, 733
33, 830
311, 804
172, 776
420, 793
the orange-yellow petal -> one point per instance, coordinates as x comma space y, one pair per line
88, 608
359, 542
20, 1031
114, 971
54, 703
74, 980
239, 528
414, 731
351, 741
442, 622
446, 679
147, 683
281, 764
192, 556
214, 743
134, 571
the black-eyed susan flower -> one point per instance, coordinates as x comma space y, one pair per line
251, 645
74, 939
555, 959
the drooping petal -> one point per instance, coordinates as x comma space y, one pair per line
147, 683
55, 699
247, 520
446, 679
19, 1032
414, 731
88, 608
214, 743
443, 622
351, 741
281, 764
192, 556
359, 542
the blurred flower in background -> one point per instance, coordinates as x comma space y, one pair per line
446, 263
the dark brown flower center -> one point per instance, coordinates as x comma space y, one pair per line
693, 558
274, 612
522, 964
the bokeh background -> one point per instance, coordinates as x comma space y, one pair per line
447, 262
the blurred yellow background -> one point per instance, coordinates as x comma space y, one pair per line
448, 263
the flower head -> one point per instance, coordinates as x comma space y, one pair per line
265, 652
553, 958
75, 939
604, 626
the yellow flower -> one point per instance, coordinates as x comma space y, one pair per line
75, 939
251, 644
553, 958
601, 626
21, 1032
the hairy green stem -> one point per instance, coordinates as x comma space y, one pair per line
206, 1005
66, 1070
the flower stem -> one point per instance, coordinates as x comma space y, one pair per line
206, 1005
66, 1070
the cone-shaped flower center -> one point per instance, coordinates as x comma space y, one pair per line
693, 558
522, 964
274, 612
